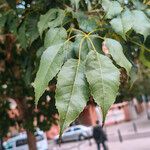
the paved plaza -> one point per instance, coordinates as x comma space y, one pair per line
132, 135
136, 144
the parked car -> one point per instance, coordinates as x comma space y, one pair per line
19, 142
78, 132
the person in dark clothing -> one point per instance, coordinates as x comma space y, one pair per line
99, 136
1, 144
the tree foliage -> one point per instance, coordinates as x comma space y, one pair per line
83, 44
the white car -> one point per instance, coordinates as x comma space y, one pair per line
19, 142
78, 132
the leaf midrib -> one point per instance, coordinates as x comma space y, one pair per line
77, 67
100, 66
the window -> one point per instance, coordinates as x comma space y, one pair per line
21, 142
39, 138
76, 129
68, 130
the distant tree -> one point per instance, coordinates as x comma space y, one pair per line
82, 45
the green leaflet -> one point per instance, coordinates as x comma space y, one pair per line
145, 57
2, 20
27, 76
133, 75
88, 25
79, 15
55, 36
89, 5
60, 15
141, 23
22, 37
135, 19
103, 78
85, 23
31, 27
75, 4
68, 51
51, 62
40, 51
53, 18
116, 50
11, 3
148, 12
123, 23
72, 92
12, 22
121, 1
139, 5
112, 8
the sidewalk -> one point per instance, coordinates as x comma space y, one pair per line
137, 128
137, 144
131, 140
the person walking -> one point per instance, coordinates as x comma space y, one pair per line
99, 136
1, 143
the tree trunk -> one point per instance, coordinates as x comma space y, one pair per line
24, 115
1, 143
31, 141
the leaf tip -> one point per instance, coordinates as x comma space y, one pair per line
60, 140
103, 121
36, 101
